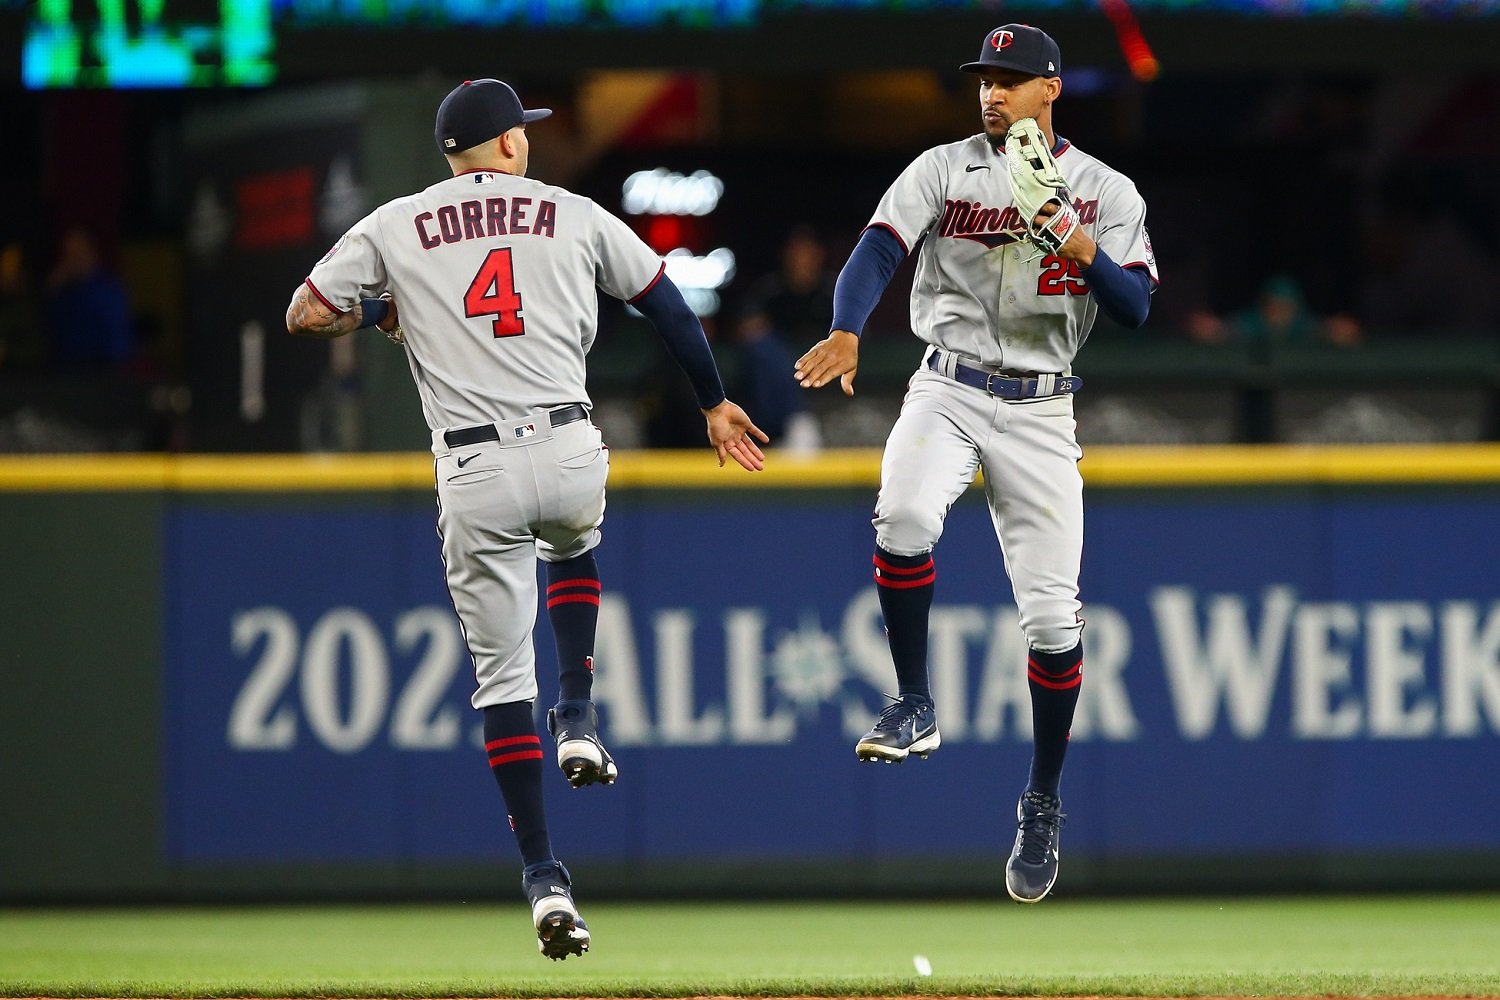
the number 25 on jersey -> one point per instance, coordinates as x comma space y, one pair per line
1060, 277
493, 293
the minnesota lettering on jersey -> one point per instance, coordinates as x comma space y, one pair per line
479, 218
971, 220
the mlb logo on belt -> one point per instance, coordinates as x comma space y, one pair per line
525, 430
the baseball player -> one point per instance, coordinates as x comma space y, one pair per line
1024, 237
496, 276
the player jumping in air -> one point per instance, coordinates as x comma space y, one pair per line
1024, 237
496, 276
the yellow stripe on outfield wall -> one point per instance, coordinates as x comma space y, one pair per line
1249, 465
1230, 465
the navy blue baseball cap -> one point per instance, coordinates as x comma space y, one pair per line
478, 110
1019, 47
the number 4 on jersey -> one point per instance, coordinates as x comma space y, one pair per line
493, 293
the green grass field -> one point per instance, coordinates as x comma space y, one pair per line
1336, 946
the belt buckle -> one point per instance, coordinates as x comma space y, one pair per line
988, 378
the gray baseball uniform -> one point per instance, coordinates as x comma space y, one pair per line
496, 279
493, 278
1018, 253
975, 292
464, 258
982, 298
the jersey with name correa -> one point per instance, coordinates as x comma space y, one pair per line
495, 279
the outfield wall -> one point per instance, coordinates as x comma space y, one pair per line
242, 677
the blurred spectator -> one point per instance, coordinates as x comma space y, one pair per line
22, 337
1279, 315
785, 313
1426, 270
88, 312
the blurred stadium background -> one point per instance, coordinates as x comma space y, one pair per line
231, 670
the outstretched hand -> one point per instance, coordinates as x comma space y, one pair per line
733, 434
835, 355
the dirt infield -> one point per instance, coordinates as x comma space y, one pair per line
908, 996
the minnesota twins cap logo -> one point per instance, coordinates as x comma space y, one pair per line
1019, 47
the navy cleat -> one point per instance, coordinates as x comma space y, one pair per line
907, 726
583, 759
560, 931
1032, 867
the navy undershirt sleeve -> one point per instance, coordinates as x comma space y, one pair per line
679, 328
864, 277
1123, 293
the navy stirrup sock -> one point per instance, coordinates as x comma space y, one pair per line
906, 584
516, 756
1055, 680
573, 608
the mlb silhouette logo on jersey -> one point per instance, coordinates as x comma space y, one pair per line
525, 430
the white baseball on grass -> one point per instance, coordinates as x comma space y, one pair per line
924, 967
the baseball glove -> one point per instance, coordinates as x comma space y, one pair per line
1036, 181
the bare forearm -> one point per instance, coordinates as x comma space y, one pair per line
307, 316
1080, 249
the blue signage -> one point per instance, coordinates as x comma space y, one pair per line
1300, 675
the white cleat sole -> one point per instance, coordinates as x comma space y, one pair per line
579, 753
1022, 899
873, 752
558, 931
583, 763
552, 911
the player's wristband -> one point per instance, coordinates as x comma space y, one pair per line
373, 312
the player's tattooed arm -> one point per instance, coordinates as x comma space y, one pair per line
307, 316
